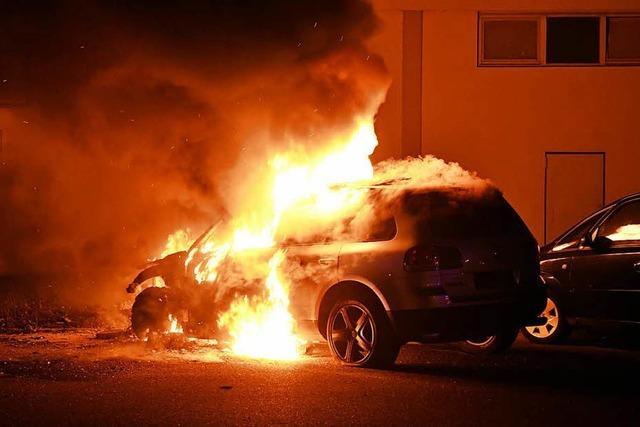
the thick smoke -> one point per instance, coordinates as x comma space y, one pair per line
122, 120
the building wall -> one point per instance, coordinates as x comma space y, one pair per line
500, 121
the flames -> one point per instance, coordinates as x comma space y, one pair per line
174, 326
300, 192
301, 187
264, 328
179, 240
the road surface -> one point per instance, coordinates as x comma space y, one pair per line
74, 379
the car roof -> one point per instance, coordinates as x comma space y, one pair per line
627, 198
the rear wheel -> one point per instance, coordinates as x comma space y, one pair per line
150, 312
554, 330
360, 333
493, 344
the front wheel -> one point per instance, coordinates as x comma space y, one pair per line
360, 333
553, 331
150, 312
493, 344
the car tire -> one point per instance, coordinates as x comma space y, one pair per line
360, 333
494, 344
150, 312
554, 331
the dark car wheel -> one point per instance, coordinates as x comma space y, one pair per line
554, 330
360, 333
150, 312
493, 344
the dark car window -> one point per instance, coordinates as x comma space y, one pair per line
573, 239
623, 225
384, 229
451, 215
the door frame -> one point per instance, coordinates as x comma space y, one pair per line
571, 153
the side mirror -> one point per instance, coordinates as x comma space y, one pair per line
546, 248
601, 244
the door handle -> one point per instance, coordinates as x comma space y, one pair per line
328, 261
636, 266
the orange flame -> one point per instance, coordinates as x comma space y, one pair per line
264, 328
304, 187
302, 193
174, 326
177, 241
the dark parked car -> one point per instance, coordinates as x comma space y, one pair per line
593, 273
438, 266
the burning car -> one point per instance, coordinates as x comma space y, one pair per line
433, 265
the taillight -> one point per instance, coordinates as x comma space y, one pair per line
432, 258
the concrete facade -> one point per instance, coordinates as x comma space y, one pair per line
509, 123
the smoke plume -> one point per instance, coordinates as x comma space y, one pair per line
123, 121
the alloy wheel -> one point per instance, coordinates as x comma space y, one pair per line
352, 333
553, 319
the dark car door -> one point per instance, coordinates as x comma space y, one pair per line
606, 281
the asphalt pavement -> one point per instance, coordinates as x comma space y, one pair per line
71, 378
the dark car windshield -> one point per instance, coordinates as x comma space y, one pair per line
456, 215
573, 238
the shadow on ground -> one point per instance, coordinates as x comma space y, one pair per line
580, 365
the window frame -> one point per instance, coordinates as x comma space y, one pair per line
613, 61
541, 17
482, 18
601, 45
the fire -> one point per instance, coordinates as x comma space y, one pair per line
264, 328
177, 241
303, 187
174, 326
302, 193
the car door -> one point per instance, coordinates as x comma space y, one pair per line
309, 267
557, 257
606, 281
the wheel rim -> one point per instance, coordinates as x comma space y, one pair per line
481, 342
553, 319
352, 334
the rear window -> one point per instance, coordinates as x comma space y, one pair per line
453, 215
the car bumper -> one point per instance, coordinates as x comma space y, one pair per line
446, 321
